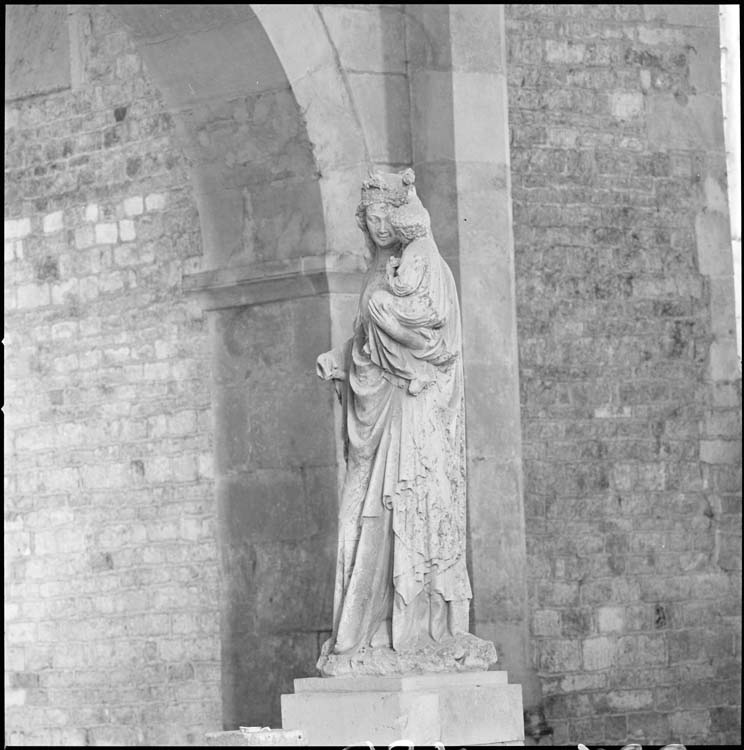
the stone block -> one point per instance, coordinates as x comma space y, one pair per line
436, 185
155, 202
465, 708
111, 735
696, 124
716, 199
683, 15
33, 295
126, 230
84, 237
17, 228
640, 649
285, 221
485, 241
36, 34
21, 632
428, 37
383, 105
13, 250
720, 451
133, 206
611, 619
287, 595
723, 360
106, 234
622, 701
713, 236
546, 622
559, 655
481, 129
340, 188
625, 105
432, 116
264, 737
53, 222
15, 697
574, 683
493, 715
723, 307
489, 396
566, 52
729, 550
477, 37
598, 653
367, 38
691, 725
660, 36
705, 70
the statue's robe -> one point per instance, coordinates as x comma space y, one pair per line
402, 579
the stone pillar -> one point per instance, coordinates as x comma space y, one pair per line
459, 126
276, 471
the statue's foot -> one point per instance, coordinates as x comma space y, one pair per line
383, 638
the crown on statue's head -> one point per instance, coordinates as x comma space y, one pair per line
391, 188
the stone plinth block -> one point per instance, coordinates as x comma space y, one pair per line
265, 738
463, 653
455, 709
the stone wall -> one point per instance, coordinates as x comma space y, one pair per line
111, 568
631, 399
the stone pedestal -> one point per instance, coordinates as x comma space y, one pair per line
266, 738
467, 708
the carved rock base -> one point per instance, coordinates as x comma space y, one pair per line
466, 708
463, 653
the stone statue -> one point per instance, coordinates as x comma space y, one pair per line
402, 589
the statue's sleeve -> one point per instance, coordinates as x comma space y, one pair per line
333, 365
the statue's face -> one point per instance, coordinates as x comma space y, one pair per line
379, 225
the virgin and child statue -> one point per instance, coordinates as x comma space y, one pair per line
402, 592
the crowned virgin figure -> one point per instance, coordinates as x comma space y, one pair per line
402, 590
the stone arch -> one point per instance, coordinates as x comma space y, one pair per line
276, 155
311, 64
204, 57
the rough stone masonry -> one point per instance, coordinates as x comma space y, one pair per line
111, 604
631, 410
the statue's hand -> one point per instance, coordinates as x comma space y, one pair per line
327, 367
324, 366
